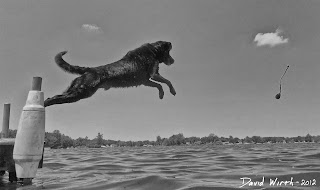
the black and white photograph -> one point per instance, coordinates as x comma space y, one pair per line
159, 94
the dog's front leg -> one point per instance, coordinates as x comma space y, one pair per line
155, 85
157, 77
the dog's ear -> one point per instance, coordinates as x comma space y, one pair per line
162, 46
166, 46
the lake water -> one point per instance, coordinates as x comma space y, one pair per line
287, 166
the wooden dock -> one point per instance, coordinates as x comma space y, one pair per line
6, 147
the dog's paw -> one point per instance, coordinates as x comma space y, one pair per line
173, 92
161, 94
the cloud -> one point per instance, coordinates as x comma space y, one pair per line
270, 39
91, 28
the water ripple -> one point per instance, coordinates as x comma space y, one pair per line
177, 168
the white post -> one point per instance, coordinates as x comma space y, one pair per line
28, 146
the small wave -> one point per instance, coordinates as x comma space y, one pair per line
317, 156
144, 183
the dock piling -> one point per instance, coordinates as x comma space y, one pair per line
28, 148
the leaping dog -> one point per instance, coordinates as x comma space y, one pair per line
138, 67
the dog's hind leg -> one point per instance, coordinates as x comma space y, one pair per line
82, 87
60, 99
155, 85
69, 97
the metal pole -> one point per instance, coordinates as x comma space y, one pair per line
5, 121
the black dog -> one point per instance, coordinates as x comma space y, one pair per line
136, 68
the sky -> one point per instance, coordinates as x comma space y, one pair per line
229, 57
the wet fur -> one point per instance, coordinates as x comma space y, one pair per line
138, 67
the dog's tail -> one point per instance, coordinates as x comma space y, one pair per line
69, 68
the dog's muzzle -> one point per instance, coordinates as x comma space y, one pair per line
169, 61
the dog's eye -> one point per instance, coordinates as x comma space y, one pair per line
169, 46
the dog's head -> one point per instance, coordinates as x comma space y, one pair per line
163, 52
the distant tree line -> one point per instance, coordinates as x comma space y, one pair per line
57, 140
11, 134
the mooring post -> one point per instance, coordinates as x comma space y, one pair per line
28, 147
5, 121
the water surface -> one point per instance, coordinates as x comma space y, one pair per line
200, 167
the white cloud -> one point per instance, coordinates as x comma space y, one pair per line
91, 28
270, 39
